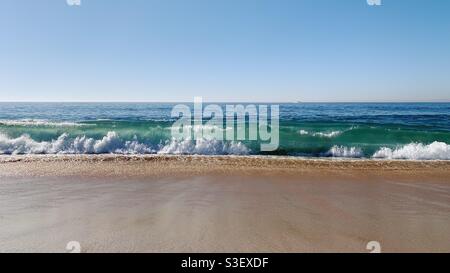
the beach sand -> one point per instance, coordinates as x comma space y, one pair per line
222, 204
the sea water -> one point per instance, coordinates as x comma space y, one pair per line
356, 130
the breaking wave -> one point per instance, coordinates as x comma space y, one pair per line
204, 147
416, 151
112, 143
342, 151
413, 151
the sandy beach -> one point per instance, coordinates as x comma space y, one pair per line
222, 204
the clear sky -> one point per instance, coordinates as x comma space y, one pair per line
225, 50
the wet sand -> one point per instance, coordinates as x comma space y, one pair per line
222, 204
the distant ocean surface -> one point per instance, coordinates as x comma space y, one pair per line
349, 130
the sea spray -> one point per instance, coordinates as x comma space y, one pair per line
112, 143
417, 151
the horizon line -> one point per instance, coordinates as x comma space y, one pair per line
231, 101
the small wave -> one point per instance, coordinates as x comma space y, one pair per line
416, 151
40, 122
342, 151
329, 135
321, 134
201, 128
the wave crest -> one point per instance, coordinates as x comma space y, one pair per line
416, 151
41, 122
204, 147
112, 143
321, 134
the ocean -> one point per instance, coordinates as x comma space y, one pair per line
419, 131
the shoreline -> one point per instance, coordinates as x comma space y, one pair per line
173, 165
150, 157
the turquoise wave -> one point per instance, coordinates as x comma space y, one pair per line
409, 131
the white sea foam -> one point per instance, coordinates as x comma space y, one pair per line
416, 151
112, 143
204, 147
321, 134
40, 122
329, 134
201, 128
342, 151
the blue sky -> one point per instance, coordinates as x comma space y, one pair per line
230, 50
